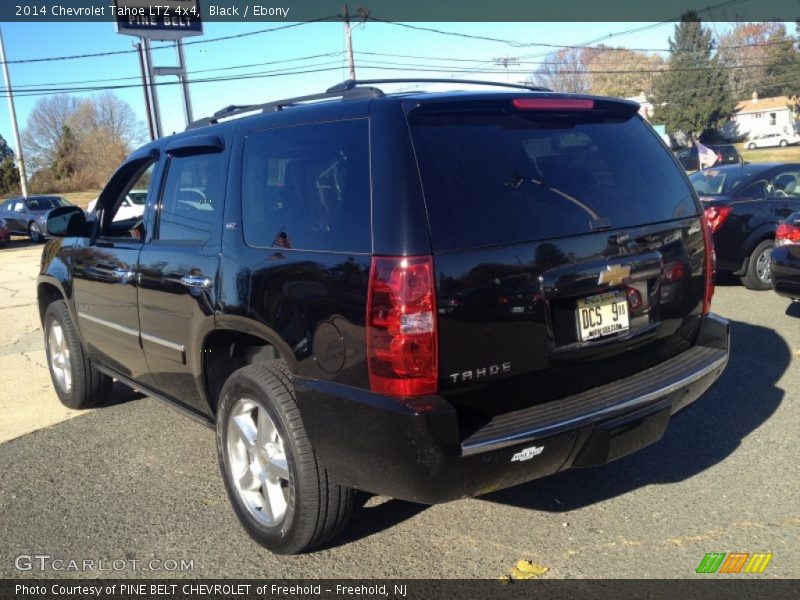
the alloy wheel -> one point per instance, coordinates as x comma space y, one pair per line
58, 355
258, 463
36, 234
763, 263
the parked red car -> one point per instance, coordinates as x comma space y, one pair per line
5, 234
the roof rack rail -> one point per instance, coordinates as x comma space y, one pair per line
351, 84
276, 105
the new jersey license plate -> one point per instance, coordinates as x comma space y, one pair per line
601, 315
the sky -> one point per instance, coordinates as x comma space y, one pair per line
230, 57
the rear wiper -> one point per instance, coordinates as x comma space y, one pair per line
517, 180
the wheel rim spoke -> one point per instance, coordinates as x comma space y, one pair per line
278, 467
246, 429
266, 429
248, 480
58, 354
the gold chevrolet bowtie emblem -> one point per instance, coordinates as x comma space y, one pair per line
614, 274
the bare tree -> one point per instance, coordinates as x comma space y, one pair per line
621, 72
564, 71
745, 51
102, 129
45, 124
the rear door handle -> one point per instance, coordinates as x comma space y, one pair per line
197, 281
123, 275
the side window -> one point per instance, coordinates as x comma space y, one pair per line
754, 190
307, 187
18, 206
192, 198
122, 219
785, 184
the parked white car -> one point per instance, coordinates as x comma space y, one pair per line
132, 205
772, 140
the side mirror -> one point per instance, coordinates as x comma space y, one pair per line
67, 221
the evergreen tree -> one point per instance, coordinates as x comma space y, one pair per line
65, 161
692, 94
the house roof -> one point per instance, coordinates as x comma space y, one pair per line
763, 104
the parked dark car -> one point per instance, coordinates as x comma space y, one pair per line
5, 233
786, 258
28, 215
744, 204
727, 154
427, 296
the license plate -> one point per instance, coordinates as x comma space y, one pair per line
601, 315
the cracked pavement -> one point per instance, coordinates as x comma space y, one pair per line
138, 480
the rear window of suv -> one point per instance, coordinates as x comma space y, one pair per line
501, 178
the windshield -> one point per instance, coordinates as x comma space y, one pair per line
47, 203
503, 178
720, 182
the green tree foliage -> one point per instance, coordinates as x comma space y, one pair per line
782, 69
5, 149
692, 94
64, 163
9, 177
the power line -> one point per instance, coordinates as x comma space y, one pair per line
191, 42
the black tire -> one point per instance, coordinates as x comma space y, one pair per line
317, 507
752, 280
88, 387
783, 143
35, 232
751, 146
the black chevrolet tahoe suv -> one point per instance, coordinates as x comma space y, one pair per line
427, 296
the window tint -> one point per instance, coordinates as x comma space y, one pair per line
192, 199
307, 187
46, 203
506, 178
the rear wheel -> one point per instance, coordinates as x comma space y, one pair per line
77, 383
783, 143
751, 146
35, 232
285, 499
758, 275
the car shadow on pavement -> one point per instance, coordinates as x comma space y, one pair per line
369, 520
697, 438
120, 394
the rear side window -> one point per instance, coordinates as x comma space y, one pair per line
307, 187
503, 178
192, 198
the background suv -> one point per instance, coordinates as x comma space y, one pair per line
427, 296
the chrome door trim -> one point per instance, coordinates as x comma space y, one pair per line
162, 342
109, 324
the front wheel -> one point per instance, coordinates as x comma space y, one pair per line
78, 384
759, 275
285, 499
783, 143
35, 232
751, 146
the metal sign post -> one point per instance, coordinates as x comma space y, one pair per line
169, 20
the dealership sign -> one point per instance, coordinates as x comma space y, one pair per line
158, 19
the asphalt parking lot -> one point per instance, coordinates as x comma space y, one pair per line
137, 481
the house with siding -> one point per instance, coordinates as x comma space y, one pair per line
760, 116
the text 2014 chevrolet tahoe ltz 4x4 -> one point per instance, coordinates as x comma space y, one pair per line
427, 296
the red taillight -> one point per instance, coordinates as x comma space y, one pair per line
711, 264
553, 103
787, 234
716, 215
401, 327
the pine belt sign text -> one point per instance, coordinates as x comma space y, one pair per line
162, 20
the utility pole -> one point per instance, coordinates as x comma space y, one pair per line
23, 178
505, 61
148, 108
348, 40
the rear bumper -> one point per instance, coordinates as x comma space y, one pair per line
375, 444
785, 271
